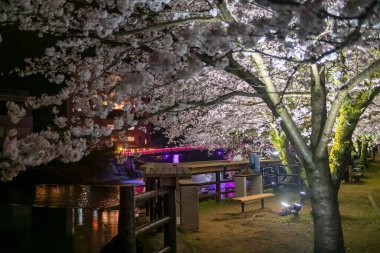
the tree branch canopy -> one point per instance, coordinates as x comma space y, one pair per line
342, 93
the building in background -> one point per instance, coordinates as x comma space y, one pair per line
138, 138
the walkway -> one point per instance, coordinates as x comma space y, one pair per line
223, 229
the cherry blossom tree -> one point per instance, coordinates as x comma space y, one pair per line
207, 69
351, 111
366, 132
368, 124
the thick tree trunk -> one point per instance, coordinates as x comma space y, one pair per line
289, 155
283, 146
350, 113
364, 153
340, 155
328, 234
359, 144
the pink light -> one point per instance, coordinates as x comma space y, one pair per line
163, 150
176, 158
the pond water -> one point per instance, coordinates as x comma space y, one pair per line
57, 218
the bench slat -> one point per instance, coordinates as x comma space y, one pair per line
250, 198
253, 197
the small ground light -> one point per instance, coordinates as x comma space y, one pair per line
290, 209
302, 197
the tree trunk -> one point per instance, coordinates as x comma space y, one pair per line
359, 144
350, 113
289, 155
282, 145
340, 159
340, 155
328, 234
364, 154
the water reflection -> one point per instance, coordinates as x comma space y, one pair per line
92, 229
57, 218
71, 230
84, 196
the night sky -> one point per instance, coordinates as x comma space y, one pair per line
15, 47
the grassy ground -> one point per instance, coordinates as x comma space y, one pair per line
360, 218
224, 229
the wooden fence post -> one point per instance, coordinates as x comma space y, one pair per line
217, 187
127, 223
170, 230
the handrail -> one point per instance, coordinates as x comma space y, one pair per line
127, 231
152, 225
151, 194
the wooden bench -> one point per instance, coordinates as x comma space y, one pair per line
251, 198
356, 173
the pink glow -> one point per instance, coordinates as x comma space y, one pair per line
163, 150
176, 158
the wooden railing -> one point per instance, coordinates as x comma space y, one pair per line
217, 182
291, 179
127, 230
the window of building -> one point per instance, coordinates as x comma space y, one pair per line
146, 141
130, 138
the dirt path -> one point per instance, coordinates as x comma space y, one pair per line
223, 229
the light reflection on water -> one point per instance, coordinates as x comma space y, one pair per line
84, 196
92, 229
56, 218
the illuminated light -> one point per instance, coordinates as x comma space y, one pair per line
105, 217
95, 214
285, 204
290, 209
80, 216
147, 151
118, 106
302, 197
176, 158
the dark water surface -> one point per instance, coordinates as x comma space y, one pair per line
57, 218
